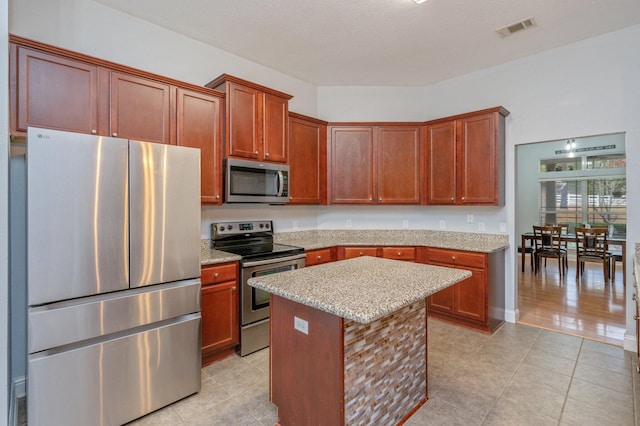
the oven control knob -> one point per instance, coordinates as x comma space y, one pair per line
266, 225
229, 227
261, 225
221, 228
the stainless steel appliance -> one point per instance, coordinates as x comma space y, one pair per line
253, 240
113, 260
256, 182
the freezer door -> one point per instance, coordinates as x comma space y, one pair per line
165, 213
77, 215
114, 381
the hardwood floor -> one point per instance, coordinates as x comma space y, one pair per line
587, 308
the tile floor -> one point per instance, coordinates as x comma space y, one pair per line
520, 375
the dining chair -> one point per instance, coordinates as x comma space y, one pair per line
564, 230
547, 244
591, 246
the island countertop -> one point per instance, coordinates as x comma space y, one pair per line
363, 289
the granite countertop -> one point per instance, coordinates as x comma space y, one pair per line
466, 241
362, 289
310, 240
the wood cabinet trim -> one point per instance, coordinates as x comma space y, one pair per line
224, 78
499, 110
295, 115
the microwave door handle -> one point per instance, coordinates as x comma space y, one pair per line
280, 183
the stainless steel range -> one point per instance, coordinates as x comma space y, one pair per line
253, 240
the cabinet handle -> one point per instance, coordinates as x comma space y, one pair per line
216, 275
217, 197
462, 198
361, 254
234, 288
94, 132
256, 152
453, 258
319, 257
636, 317
266, 154
379, 199
370, 199
451, 198
114, 134
399, 253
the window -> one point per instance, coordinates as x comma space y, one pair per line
588, 189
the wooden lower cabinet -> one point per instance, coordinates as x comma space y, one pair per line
478, 301
219, 303
398, 253
320, 256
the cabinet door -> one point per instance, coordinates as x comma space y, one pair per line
198, 126
470, 297
275, 131
441, 162
398, 157
441, 301
307, 162
352, 165
53, 92
318, 257
477, 160
351, 252
244, 122
220, 326
139, 108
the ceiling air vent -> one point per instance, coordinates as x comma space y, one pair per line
516, 26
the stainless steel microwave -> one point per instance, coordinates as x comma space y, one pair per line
256, 182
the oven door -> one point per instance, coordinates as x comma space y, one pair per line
254, 303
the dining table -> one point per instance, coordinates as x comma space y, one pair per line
616, 240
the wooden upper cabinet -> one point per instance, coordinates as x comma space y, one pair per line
307, 160
140, 108
275, 128
52, 92
399, 164
243, 121
256, 123
441, 163
377, 164
199, 124
465, 159
352, 165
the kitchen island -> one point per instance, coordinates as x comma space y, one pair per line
349, 340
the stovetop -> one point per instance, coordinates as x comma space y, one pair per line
253, 240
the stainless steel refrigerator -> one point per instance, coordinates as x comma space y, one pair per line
113, 260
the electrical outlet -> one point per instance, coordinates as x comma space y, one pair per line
469, 217
301, 325
481, 226
442, 224
348, 223
405, 224
503, 227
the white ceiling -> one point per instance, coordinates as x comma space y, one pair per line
382, 42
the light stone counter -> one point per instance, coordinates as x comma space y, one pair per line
362, 289
209, 256
466, 241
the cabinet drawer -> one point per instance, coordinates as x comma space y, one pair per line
400, 253
351, 252
219, 273
461, 258
317, 257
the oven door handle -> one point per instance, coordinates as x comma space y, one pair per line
280, 183
273, 260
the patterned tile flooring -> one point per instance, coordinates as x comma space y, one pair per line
520, 375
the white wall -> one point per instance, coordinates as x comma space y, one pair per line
5, 381
91, 28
